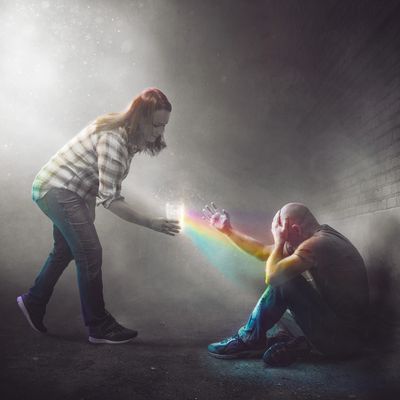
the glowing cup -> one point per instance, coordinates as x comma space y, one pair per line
175, 211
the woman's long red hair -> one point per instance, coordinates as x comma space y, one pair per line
142, 107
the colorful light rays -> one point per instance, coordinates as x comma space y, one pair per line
195, 224
218, 249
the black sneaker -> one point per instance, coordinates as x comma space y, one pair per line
284, 353
34, 313
234, 347
281, 336
111, 332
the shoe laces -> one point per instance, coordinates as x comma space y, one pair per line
115, 327
230, 339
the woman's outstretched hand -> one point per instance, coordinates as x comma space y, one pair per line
218, 220
167, 226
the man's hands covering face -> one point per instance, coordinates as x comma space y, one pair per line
218, 220
280, 229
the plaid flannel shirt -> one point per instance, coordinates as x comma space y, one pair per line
90, 164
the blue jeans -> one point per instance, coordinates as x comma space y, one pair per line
75, 237
326, 331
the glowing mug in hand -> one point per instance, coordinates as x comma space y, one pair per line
175, 211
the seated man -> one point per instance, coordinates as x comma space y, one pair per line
314, 272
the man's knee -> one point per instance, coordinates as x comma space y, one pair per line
293, 288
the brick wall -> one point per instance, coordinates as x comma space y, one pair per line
354, 128
353, 144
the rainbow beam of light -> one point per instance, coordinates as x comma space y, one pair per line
219, 250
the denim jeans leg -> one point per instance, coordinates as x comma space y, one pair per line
72, 217
57, 261
321, 325
267, 312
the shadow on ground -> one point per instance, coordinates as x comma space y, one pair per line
63, 365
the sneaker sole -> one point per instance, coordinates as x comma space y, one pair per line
243, 354
106, 341
26, 314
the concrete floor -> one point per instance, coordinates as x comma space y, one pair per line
63, 365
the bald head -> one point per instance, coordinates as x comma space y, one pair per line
300, 215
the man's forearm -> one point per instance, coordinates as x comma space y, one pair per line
277, 255
249, 244
126, 212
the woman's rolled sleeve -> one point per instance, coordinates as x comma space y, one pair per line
106, 200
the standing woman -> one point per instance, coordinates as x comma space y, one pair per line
89, 169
